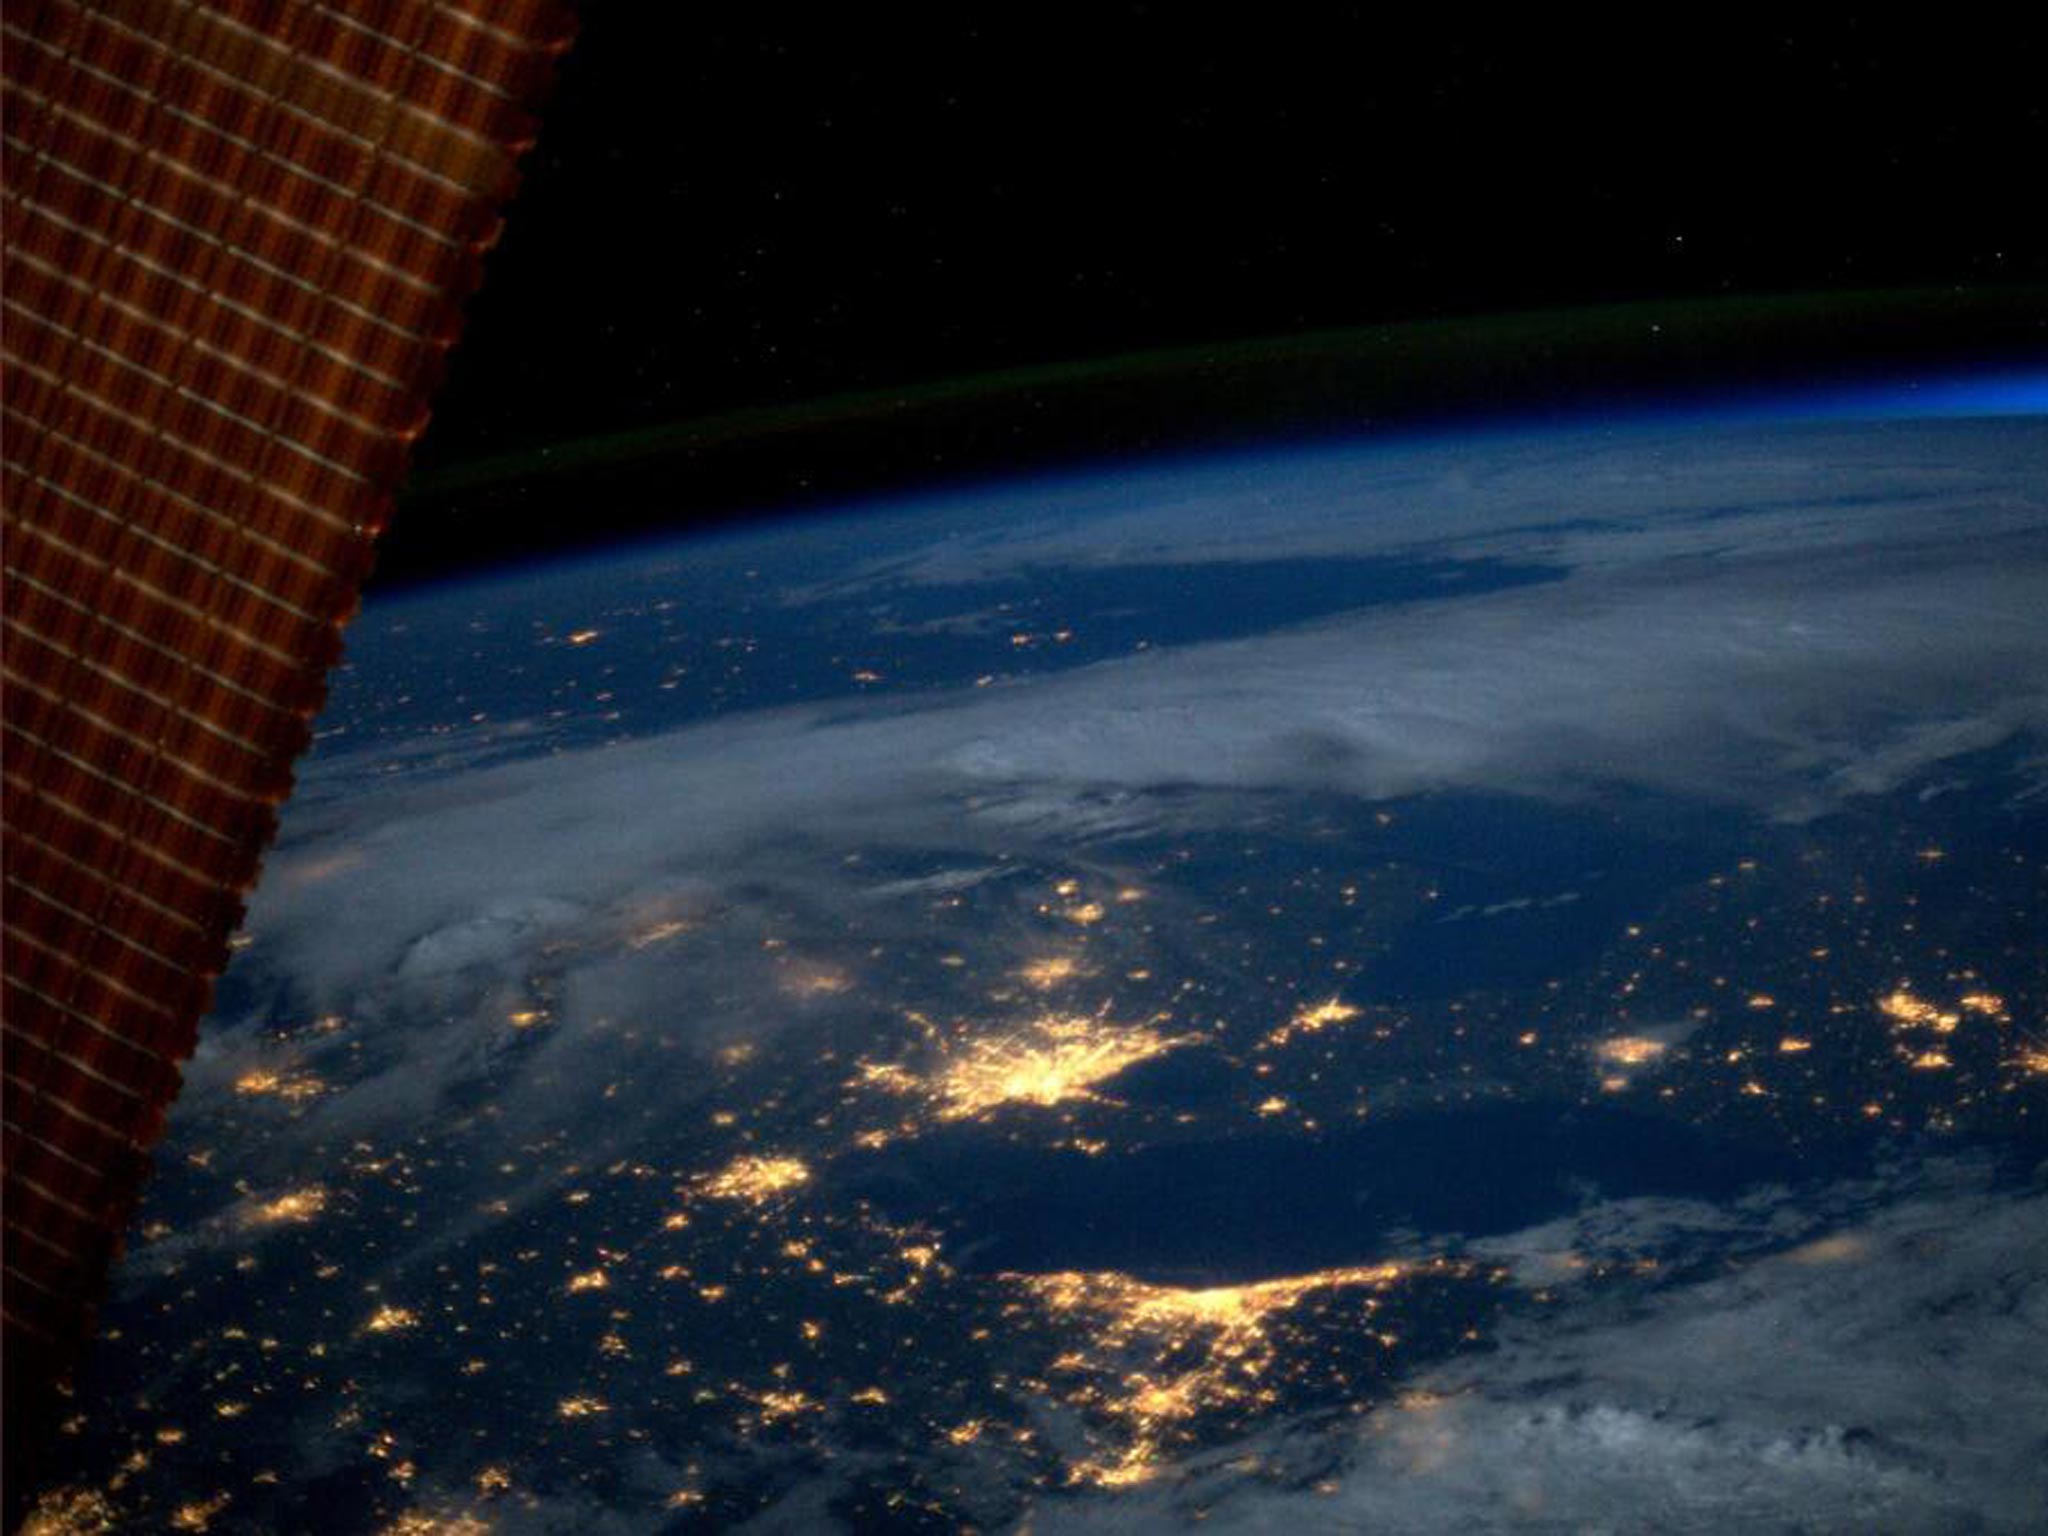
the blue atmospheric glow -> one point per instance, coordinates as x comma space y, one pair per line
2003, 392
1904, 396
2011, 392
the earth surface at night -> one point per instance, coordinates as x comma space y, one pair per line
1490, 981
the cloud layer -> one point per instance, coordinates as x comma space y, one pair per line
1849, 624
518, 947
1777, 622
1878, 1378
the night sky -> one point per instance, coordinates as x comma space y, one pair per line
755, 209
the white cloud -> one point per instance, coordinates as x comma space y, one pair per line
1784, 689
1777, 623
1581, 499
1879, 1379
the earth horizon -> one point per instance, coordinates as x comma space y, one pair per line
1484, 981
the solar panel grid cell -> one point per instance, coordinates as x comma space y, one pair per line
237, 239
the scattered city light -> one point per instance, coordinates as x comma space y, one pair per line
1909, 1012
1049, 972
1155, 1357
1630, 1050
297, 1206
757, 1180
293, 1087
1046, 1061
1311, 1020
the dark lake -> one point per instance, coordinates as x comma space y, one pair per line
1226, 1211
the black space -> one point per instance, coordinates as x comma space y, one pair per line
744, 207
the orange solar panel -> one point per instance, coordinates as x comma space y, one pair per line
238, 235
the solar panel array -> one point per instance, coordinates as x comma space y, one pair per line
238, 235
